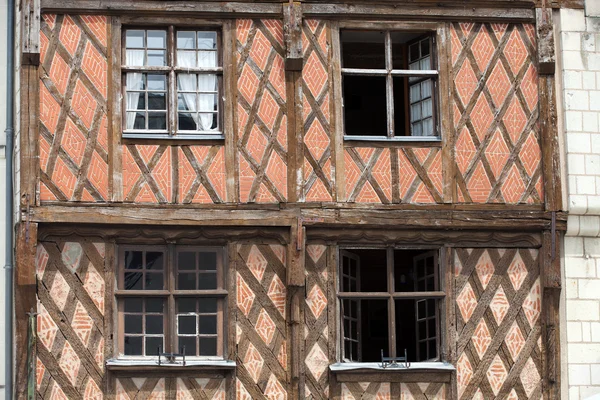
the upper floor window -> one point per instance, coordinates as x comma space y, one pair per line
172, 81
390, 81
171, 300
390, 302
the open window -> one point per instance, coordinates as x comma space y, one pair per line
389, 81
390, 302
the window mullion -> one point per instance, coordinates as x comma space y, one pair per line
389, 84
171, 333
391, 303
172, 102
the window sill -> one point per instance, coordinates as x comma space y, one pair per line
374, 372
180, 137
125, 364
422, 141
417, 366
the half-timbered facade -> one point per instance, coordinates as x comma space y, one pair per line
276, 200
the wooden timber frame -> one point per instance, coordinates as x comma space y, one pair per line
293, 224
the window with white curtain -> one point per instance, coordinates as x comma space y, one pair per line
172, 83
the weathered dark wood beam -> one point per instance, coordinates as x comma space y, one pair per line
527, 220
517, 10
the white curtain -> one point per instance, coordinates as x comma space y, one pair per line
187, 82
134, 82
207, 83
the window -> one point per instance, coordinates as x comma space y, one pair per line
389, 81
172, 83
390, 302
171, 299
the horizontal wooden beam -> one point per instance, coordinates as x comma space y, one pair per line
514, 10
389, 218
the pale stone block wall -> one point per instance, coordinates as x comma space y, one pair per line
578, 71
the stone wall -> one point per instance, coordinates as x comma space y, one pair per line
578, 41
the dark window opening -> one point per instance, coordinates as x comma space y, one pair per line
389, 81
385, 291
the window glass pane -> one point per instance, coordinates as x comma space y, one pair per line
133, 260
189, 343
133, 323
187, 121
208, 346
207, 40
133, 345
207, 102
208, 325
207, 305
426, 88
134, 38
135, 81
157, 39
207, 121
207, 83
416, 328
154, 305
157, 121
365, 105
157, 101
136, 100
185, 40
157, 82
133, 304
415, 93
186, 281
207, 281
363, 49
185, 305
207, 59
157, 58
428, 127
154, 324
154, 345
154, 281
208, 261
425, 47
133, 281
415, 112
186, 82
425, 63
154, 260
186, 325
186, 59
186, 260
414, 52
426, 109
139, 120
134, 58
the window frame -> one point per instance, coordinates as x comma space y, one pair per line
391, 296
171, 294
439, 59
170, 70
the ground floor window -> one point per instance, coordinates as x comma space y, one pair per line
390, 304
171, 300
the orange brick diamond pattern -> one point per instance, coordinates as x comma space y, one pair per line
69, 324
496, 340
316, 301
261, 327
496, 374
74, 75
498, 148
318, 180
369, 175
261, 137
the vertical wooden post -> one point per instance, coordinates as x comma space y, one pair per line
25, 299
550, 274
296, 292
292, 30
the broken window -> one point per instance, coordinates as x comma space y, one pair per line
171, 300
172, 82
390, 302
389, 81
